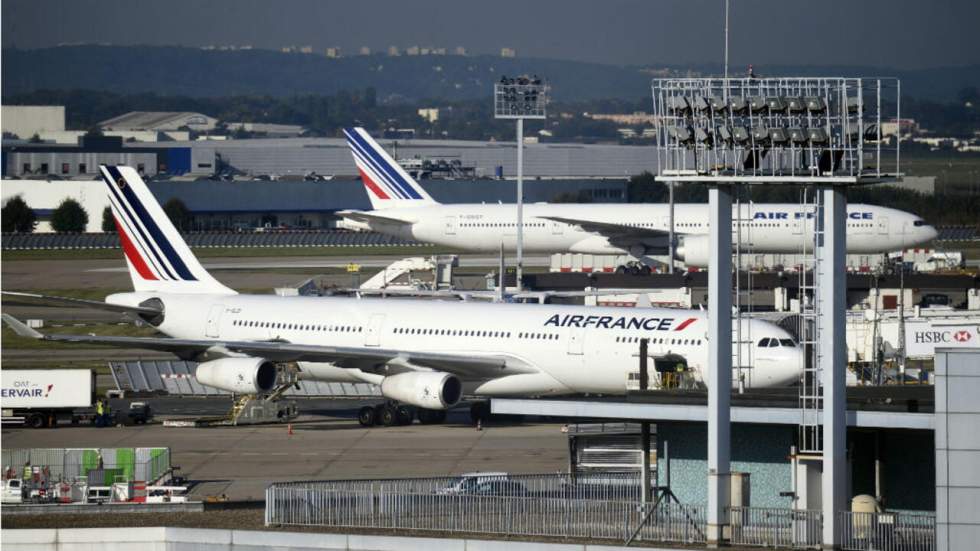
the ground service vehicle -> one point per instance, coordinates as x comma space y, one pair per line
42, 397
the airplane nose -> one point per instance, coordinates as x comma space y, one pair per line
931, 233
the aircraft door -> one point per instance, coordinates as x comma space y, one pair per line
557, 228
450, 225
576, 341
883, 225
213, 327
373, 335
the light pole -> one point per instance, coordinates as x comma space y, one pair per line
519, 98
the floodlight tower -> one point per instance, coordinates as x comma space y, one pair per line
520, 98
822, 134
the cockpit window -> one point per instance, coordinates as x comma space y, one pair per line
773, 343
764, 343
919, 223
787, 342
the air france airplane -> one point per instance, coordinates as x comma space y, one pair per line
427, 354
401, 207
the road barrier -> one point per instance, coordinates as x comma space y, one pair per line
887, 531
594, 506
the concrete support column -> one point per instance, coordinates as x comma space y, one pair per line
832, 356
719, 379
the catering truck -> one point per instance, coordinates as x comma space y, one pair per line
42, 397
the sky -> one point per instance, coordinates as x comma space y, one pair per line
904, 34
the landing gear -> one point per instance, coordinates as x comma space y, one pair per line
366, 416
390, 414
634, 268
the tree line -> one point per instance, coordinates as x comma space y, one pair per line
71, 217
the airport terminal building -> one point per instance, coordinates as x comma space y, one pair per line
300, 182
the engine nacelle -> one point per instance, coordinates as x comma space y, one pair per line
238, 375
693, 250
424, 389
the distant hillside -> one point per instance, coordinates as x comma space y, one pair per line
201, 73
208, 73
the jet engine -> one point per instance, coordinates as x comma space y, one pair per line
424, 389
693, 250
238, 375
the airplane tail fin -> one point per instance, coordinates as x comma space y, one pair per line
386, 182
158, 258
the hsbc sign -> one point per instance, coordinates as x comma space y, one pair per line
922, 339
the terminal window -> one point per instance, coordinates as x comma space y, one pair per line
65, 168
82, 169
27, 168
44, 168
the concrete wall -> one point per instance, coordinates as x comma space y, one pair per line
27, 120
761, 451
192, 539
957, 449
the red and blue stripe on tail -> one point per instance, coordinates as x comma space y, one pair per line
158, 257
387, 182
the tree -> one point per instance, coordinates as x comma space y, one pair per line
108, 222
178, 213
69, 217
17, 216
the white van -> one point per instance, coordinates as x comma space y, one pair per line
13, 492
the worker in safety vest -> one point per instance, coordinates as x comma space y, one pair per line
99, 413
27, 470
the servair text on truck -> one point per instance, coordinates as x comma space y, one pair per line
41, 397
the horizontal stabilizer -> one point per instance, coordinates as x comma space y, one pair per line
83, 303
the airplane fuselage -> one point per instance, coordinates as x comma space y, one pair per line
762, 228
571, 349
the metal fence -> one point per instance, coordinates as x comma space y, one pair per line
595, 506
67, 464
906, 531
311, 238
773, 527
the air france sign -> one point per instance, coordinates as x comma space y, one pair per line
778, 215
922, 339
619, 322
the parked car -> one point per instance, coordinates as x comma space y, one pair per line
500, 487
468, 482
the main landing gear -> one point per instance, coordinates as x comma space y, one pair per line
390, 414
633, 268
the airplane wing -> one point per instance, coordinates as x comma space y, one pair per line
95, 304
619, 235
466, 366
366, 217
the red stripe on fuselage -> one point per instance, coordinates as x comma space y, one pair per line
685, 323
371, 185
132, 254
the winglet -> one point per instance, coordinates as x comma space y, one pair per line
20, 328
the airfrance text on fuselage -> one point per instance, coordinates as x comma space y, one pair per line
614, 322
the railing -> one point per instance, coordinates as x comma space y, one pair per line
589, 506
67, 464
772, 527
293, 238
906, 531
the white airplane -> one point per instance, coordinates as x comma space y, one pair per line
427, 354
401, 207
